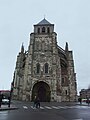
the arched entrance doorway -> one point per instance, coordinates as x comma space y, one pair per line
41, 90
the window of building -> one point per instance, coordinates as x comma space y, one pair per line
43, 30
66, 92
38, 30
46, 68
38, 68
48, 30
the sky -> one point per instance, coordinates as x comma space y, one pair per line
72, 24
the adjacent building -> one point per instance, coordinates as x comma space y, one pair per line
85, 93
6, 93
45, 70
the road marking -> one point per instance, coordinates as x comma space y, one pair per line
84, 107
48, 107
25, 107
33, 107
80, 107
61, 107
58, 107
55, 107
42, 107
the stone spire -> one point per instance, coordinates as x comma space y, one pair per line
22, 48
66, 47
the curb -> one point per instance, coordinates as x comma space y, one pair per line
12, 108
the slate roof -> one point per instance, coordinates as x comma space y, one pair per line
44, 22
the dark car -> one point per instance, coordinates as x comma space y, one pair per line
88, 101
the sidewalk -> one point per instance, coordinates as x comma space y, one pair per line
83, 104
65, 103
5, 107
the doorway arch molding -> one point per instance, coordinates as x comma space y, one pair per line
42, 90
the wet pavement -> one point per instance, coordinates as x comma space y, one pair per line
47, 111
5, 107
14, 106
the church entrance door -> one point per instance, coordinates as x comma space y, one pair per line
41, 90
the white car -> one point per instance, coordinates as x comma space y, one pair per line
5, 101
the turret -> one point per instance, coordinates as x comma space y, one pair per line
22, 48
20, 58
66, 47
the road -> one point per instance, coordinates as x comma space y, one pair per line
47, 111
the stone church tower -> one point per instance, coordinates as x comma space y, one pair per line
45, 70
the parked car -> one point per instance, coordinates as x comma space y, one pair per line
5, 101
84, 100
88, 101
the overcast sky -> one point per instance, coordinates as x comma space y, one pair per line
72, 25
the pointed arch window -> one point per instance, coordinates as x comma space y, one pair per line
38, 68
38, 30
48, 30
66, 92
46, 67
43, 30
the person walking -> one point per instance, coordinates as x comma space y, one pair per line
9, 98
38, 103
80, 100
35, 101
88, 101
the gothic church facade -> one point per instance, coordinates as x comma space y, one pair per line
45, 70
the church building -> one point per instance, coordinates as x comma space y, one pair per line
45, 70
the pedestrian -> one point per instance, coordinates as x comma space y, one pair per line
9, 98
80, 100
88, 101
35, 100
38, 103
1, 97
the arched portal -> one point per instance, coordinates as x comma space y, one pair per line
41, 90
